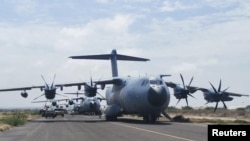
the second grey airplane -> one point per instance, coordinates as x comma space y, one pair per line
144, 96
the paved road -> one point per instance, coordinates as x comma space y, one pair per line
91, 128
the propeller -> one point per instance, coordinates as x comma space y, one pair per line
90, 90
185, 91
218, 95
46, 84
50, 91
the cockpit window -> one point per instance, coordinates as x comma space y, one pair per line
155, 82
144, 82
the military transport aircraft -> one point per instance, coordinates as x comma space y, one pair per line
87, 105
49, 91
182, 92
213, 95
145, 96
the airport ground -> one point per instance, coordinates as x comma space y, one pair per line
189, 124
92, 128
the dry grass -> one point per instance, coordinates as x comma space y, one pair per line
221, 116
4, 127
9, 119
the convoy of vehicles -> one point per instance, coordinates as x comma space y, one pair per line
49, 112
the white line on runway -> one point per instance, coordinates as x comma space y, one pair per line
163, 134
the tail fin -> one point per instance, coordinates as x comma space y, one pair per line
113, 57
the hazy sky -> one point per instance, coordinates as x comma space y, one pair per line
207, 39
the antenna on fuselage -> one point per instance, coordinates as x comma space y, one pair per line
113, 57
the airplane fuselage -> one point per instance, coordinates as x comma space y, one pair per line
146, 96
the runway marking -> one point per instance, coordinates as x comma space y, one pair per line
163, 134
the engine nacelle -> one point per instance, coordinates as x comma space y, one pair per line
88, 94
24, 94
102, 86
61, 88
71, 102
54, 103
90, 91
79, 87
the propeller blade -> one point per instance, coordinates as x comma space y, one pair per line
216, 106
178, 101
191, 96
225, 90
213, 88
183, 82
45, 81
225, 106
61, 95
190, 81
219, 86
53, 80
101, 96
91, 82
38, 96
187, 101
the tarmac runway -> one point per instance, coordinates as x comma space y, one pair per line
92, 128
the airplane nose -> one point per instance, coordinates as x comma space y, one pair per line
92, 105
157, 96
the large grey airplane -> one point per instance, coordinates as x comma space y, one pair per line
145, 96
87, 105
84, 105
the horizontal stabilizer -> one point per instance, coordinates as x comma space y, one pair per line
113, 57
108, 57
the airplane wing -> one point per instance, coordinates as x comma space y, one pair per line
22, 88
100, 82
171, 84
56, 100
16, 89
192, 89
236, 94
228, 93
40, 101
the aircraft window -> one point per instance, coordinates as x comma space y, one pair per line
144, 82
160, 82
155, 82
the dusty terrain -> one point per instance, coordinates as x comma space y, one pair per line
220, 116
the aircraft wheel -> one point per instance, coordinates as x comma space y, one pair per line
149, 118
111, 118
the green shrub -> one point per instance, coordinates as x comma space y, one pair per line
15, 119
